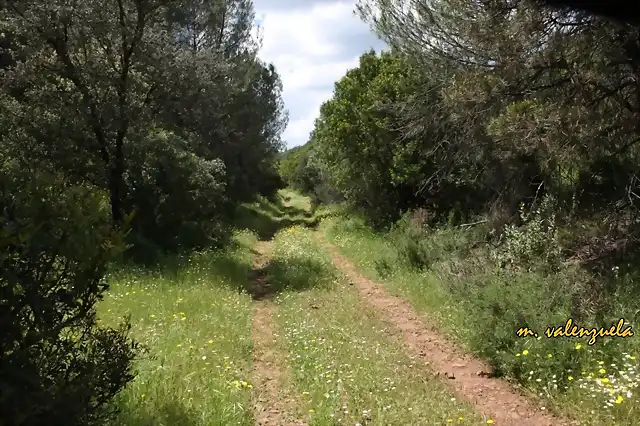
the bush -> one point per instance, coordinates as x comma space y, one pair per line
323, 193
57, 366
421, 248
177, 198
504, 303
533, 244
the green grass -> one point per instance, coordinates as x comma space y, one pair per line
193, 315
293, 200
196, 325
480, 309
345, 367
266, 217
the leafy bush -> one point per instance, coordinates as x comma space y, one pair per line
421, 249
534, 243
177, 197
412, 248
502, 304
57, 366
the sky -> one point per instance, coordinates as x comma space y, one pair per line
312, 43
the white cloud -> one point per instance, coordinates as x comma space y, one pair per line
300, 126
312, 44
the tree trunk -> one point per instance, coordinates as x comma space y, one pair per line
115, 192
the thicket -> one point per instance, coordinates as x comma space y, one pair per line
128, 129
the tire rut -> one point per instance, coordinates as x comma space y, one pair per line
470, 378
271, 404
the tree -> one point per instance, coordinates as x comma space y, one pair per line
360, 140
106, 77
89, 63
220, 25
619, 10
565, 80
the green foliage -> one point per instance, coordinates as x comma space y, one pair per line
387, 142
533, 243
177, 198
151, 117
296, 168
99, 80
500, 303
57, 366
354, 139
420, 248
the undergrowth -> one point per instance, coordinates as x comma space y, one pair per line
480, 290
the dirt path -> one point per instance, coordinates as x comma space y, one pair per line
494, 398
271, 406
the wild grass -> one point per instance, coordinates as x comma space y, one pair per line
193, 315
267, 216
195, 323
480, 307
346, 368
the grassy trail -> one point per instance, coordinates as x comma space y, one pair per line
274, 332
469, 377
347, 364
271, 404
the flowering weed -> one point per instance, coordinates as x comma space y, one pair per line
197, 328
346, 368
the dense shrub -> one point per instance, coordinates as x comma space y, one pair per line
177, 197
420, 248
535, 243
57, 365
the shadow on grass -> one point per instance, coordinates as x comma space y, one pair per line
294, 275
275, 207
233, 272
224, 268
168, 414
266, 225
176, 414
